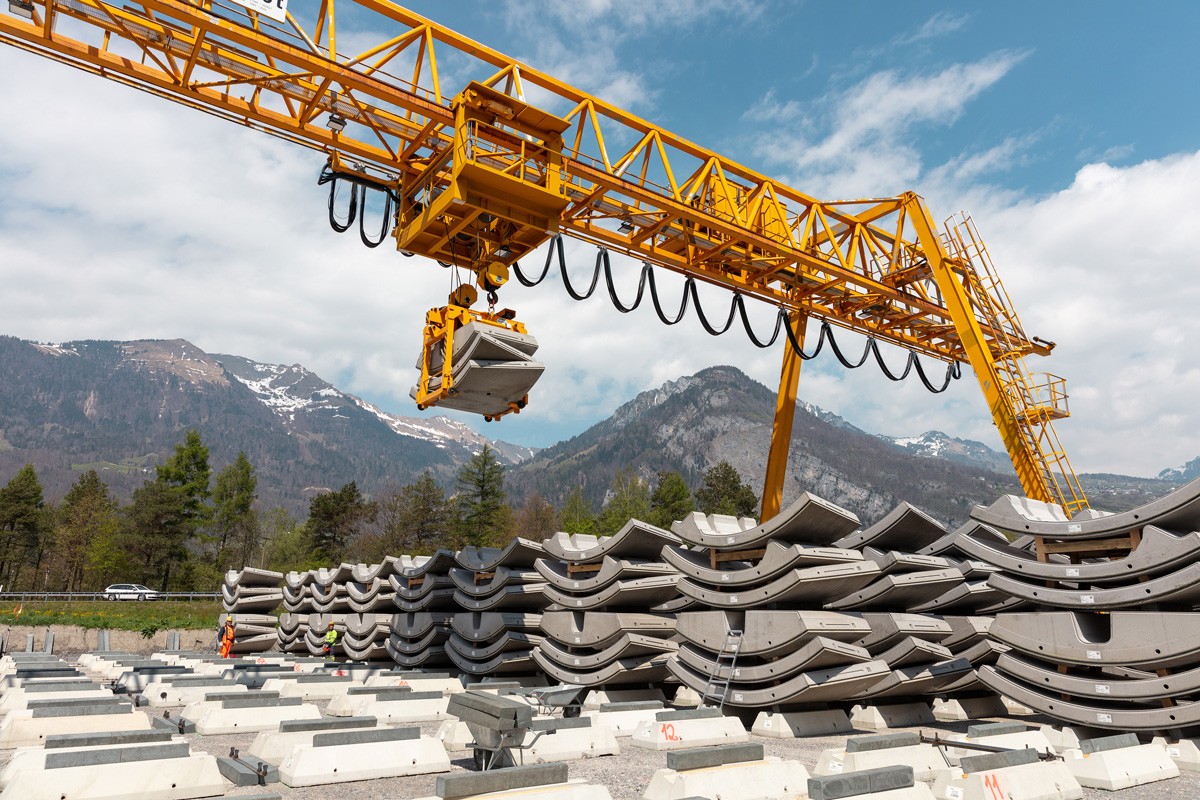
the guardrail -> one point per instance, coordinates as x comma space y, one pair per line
22, 597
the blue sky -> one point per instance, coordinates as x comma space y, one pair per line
1069, 130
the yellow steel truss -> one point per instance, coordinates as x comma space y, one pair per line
501, 175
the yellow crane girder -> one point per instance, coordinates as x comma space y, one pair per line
484, 178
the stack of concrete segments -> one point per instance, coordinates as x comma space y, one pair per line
610, 624
768, 581
417, 638
251, 596
1117, 645
367, 636
493, 586
493, 369
297, 605
314, 627
422, 583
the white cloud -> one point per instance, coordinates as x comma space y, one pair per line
860, 141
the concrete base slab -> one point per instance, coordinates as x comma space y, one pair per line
164, 779
682, 733
417, 683
422, 709
1120, 769
1184, 752
896, 715
166, 695
796, 724
309, 765
1034, 739
567, 744
274, 746
601, 697
1066, 737
1017, 709
963, 709
1045, 780
920, 791
747, 780
570, 790
20, 729
686, 697
34, 758
455, 735
216, 720
925, 760
622, 723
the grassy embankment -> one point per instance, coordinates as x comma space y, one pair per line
126, 615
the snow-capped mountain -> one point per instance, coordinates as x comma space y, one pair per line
935, 444
292, 390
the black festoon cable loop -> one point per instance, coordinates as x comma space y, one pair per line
737, 307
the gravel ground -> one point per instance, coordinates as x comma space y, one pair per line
625, 775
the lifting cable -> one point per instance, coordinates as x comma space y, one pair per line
357, 206
737, 308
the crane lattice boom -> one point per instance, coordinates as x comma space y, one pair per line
487, 172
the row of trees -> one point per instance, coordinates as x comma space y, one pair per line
182, 529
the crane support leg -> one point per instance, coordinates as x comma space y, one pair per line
979, 355
785, 414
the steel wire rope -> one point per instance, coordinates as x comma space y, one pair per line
737, 306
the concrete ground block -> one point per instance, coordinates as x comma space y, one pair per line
1033, 739
362, 755
1043, 780
1016, 709
797, 724
564, 744
682, 733
747, 780
196, 775
418, 683
35, 757
166, 695
21, 728
622, 721
601, 697
274, 746
568, 790
924, 759
963, 709
248, 719
415, 707
1120, 769
895, 715
1065, 737
17, 696
455, 735
322, 690
1184, 752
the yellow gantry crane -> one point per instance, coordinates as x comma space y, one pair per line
483, 176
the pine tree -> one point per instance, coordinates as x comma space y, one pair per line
235, 522
157, 531
88, 521
630, 500
480, 499
417, 519
576, 515
671, 501
23, 524
724, 493
335, 518
188, 472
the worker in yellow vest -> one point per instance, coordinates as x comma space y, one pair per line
330, 641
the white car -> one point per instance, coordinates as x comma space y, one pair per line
129, 591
